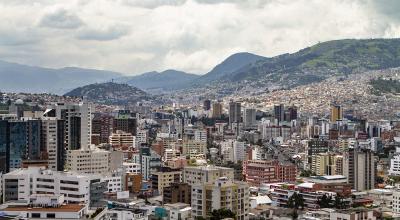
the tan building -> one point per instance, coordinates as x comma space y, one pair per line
336, 113
327, 164
216, 110
193, 148
206, 174
222, 194
159, 180
122, 139
89, 161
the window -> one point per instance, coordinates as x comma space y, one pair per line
51, 215
35, 215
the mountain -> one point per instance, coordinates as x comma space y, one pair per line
23, 78
166, 80
229, 66
111, 93
315, 63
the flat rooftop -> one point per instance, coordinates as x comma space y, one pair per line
62, 208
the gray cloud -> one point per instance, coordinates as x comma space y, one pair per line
102, 34
135, 36
61, 19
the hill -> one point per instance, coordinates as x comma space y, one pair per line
227, 67
111, 93
22, 78
315, 63
166, 80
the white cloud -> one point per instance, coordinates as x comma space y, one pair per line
135, 36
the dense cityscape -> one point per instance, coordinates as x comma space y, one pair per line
64, 157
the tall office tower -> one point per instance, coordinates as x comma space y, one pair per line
316, 146
359, 168
101, 127
234, 112
78, 123
249, 117
216, 110
4, 146
25, 142
53, 140
224, 193
126, 124
279, 113
207, 105
292, 113
336, 113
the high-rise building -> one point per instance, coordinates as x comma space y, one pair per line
102, 127
78, 123
359, 168
235, 114
327, 164
150, 162
54, 141
249, 117
4, 146
222, 194
126, 124
336, 113
279, 113
216, 110
316, 146
207, 105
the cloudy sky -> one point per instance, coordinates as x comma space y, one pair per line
135, 36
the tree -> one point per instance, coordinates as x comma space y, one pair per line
218, 214
338, 203
325, 201
295, 201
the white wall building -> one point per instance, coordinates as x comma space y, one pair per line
131, 167
200, 135
20, 184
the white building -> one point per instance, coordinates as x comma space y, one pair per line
395, 165
170, 154
396, 202
141, 137
224, 193
200, 135
179, 211
20, 184
114, 182
43, 206
90, 161
239, 153
131, 167
78, 123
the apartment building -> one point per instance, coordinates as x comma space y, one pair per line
223, 193
206, 174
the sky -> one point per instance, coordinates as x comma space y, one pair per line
136, 36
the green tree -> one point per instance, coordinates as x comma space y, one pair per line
218, 214
296, 201
325, 201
